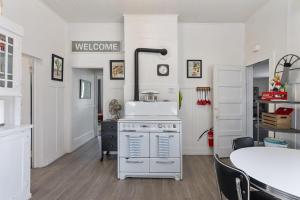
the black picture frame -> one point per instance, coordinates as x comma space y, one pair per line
112, 76
188, 63
163, 65
55, 76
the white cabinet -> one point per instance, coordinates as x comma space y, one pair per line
15, 140
15, 163
10, 58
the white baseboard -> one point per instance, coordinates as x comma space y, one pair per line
79, 141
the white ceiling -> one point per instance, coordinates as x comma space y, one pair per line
188, 10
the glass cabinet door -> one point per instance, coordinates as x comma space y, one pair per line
10, 62
6, 61
2, 59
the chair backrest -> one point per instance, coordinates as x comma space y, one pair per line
233, 183
243, 142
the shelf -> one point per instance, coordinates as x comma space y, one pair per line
292, 130
278, 102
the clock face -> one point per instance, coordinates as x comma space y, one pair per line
163, 70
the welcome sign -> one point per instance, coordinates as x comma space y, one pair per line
96, 46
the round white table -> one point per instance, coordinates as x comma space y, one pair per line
274, 170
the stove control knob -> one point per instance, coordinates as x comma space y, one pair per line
160, 126
174, 125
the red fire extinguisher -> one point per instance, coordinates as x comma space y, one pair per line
210, 137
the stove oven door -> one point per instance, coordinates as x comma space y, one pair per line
164, 145
134, 145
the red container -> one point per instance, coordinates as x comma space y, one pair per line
274, 96
284, 111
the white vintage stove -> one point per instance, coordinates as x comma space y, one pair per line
149, 141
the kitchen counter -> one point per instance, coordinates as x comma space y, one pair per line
13, 129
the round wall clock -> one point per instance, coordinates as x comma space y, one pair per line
163, 70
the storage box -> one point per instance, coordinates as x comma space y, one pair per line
276, 121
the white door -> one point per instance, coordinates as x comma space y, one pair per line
229, 107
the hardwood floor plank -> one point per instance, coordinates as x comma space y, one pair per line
81, 176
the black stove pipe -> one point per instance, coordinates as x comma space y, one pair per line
136, 67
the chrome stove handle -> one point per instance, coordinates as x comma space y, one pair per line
134, 162
165, 162
128, 130
139, 136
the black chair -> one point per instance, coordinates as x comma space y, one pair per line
234, 184
243, 142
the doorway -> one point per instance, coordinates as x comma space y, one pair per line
99, 97
87, 105
27, 89
258, 82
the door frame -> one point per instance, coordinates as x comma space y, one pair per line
249, 95
34, 142
249, 100
97, 78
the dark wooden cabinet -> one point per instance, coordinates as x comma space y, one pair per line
109, 136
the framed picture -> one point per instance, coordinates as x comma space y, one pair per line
57, 69
85, 89
117, 70
194, 68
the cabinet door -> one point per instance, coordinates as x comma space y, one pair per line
136, 165
15, 166
164, 145
165, 165
3, 59
134, 145
10, 63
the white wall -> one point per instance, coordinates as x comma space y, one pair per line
45, 33
83, 119
27, 64
151, 31
213, 44
112, 89
267, 27
261, 69
262, 84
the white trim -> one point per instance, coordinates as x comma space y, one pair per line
78, 141
249, 101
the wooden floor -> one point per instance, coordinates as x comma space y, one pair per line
81, 176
